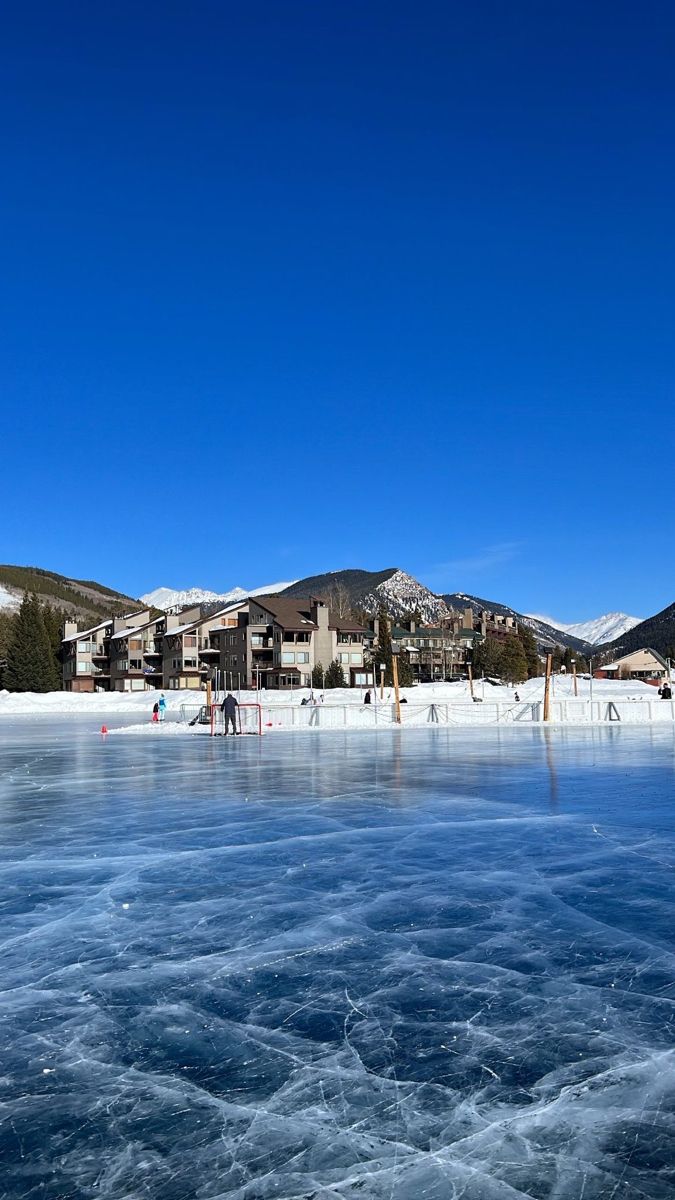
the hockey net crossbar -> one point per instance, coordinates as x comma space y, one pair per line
248, 719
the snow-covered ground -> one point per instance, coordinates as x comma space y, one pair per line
9, 601
140, 704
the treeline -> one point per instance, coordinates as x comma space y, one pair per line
35, 581
30, 647
516, 658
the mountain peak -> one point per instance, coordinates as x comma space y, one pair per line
176, 598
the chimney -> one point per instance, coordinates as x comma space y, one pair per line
319, 613
70, 629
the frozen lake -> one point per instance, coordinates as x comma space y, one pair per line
415, 965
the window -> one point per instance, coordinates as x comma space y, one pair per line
343, 638
135, 644
84, 647
135, 664
288, 656
355, 658
123, 664
302, 637
190, 640
189, 662
344, 658
302, 656
83, 668
176, 664
288, 636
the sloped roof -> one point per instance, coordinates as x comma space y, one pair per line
292, 614
297, 614
76, 637
616, 662
204, 620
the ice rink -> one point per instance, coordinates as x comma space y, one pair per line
423, 965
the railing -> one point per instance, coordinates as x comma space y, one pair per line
327, 716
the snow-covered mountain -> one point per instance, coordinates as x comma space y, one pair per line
605, 628
368, 591
169, 599
401, 594
598, 630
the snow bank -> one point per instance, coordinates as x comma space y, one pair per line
140, 703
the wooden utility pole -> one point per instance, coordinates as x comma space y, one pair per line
547, 687
394, 671
470, 670
381, 681
208, 694
574, 674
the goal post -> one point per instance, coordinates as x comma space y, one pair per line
248, 718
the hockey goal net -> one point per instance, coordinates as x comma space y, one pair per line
248, 719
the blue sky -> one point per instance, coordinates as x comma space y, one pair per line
294, 287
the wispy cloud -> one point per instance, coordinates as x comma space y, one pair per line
483, 560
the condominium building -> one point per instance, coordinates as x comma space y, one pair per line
86, 653
139, 652
277, 642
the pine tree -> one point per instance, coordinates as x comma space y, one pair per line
383, 651
317, 676
6, 628
487, 658
405, 675
30, 663
514, 662
528, 642
53, 620
335, 676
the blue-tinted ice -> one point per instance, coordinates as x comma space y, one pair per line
428, 965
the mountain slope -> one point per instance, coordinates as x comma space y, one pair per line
599, 629
81, 599
606, 628
393, 588
657, 632
547, 635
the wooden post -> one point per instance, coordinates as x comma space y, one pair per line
381, 681
470, 670
574, 673
394, 671
208, 694
547, 687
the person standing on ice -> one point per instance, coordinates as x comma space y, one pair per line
155, 711
366, 698
229, 710
162, 707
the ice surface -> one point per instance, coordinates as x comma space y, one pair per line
427, 964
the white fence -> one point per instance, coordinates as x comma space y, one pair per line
281, 717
